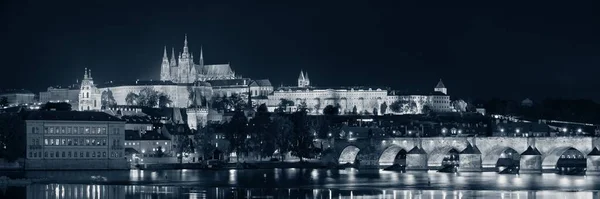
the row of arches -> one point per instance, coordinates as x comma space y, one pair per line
565, 160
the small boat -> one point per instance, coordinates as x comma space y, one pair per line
99, 178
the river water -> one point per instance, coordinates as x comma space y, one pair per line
300, 183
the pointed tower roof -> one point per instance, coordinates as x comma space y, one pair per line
165, 57
185, 45
416, 150
301, 75
440, 84
85, 74
594, 152
201, 54
531, 151
470, 149
306, 75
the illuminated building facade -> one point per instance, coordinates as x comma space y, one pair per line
74, 140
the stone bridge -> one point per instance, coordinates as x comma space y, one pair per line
475, 153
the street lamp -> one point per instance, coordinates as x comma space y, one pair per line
565, 129
517, 130
579, 130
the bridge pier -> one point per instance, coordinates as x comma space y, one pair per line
531, 161
470, 159
593, 162
416, 160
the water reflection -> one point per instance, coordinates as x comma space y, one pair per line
301, 183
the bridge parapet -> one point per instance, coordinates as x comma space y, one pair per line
382, 152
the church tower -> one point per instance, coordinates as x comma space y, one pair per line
441, 88
301, 79
165, 68
185, 64
89, 96
306, 80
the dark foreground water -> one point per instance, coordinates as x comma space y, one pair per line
300, 183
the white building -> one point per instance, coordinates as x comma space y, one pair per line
364, 100
18, 97
89, 95
68, 94
74, 140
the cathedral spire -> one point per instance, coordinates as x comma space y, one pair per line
185, 46
173, 61
85, 75
90, 73
301, 77
165, 54
201, 54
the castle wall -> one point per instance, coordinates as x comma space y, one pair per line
317, 100
179, 94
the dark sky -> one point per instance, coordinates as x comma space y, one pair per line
484, 50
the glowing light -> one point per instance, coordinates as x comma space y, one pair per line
564, 130
579, 130
517, 130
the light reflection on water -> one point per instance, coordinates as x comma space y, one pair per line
302, 183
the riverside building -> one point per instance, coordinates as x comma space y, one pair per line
63, 140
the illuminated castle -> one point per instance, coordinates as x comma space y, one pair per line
182, 69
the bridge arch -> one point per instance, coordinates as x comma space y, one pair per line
436, 157
494, 156
389, 155
348, 155
550, 161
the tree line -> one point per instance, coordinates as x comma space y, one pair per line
263, 136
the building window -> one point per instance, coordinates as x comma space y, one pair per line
74, 154
104, 154
51, 154
81, 154
57, 154
87, 154
93, 154
33, 130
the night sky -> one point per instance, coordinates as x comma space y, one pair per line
512, 51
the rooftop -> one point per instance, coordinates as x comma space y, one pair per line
440, 84
148, 135
261, 82
71, 116
342, 88
130, 119
531, 151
